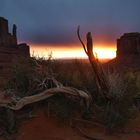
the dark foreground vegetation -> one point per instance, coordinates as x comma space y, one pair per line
32, 76
70, 91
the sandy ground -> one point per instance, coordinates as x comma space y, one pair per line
43, 128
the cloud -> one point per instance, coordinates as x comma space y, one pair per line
55, 21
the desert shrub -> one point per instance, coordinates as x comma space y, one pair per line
27, 75
64, 108
121, 108
8, 123
75, 73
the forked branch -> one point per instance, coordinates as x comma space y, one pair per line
101, 81
79, 37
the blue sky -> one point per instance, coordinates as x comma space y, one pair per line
55, 21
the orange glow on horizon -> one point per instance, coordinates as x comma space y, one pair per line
58, 52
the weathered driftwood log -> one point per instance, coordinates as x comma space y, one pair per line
101, 80
67, 91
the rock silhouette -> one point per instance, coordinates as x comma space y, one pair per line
128, 44
128, 53
9, 48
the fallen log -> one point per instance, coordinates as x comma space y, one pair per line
14, 104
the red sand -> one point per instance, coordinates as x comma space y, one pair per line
43, 128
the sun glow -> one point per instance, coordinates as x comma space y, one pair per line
60, 52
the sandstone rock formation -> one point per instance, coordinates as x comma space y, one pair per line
128, 44
9, 48
128, 53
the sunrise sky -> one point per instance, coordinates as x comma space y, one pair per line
50, 25
71, 51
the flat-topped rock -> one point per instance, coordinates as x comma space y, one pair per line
128, 44
128, 53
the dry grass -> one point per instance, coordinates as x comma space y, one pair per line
27, 74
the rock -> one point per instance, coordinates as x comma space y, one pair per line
128, 54
128, 44
9, 49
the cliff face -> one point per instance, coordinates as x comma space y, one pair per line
9, 48
128, 44
128, 53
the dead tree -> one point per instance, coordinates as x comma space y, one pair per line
14, 104
101, 80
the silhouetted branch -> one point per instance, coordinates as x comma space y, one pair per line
89, 44
83, 134
101, 80
79, 37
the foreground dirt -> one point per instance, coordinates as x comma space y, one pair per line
40, 127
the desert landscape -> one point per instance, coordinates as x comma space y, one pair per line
93, 97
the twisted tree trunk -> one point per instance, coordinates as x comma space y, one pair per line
66, 91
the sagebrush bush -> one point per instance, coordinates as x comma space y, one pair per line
27, 75
121, 108
64, 109
75, 73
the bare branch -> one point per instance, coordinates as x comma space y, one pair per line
83, 134
89, 45
79, 37
101, 81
